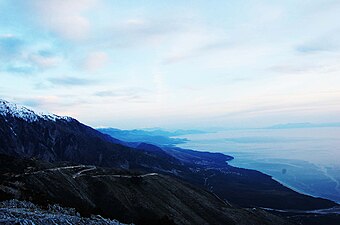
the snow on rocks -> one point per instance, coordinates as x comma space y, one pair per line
10, 109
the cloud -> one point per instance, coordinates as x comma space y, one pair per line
55, 103
31, 102
12, 54
147, 27
293, 68
70, 81
131, 94
34, 102
95, 61
20, 56
19, 69
311, 48
143, 31
232, 51
10, 46
324, 43
200, 48
65, 18
122, 92
44, 59
193, 40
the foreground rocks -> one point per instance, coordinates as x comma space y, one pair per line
24, 212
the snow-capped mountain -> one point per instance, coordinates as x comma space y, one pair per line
21, 112
48, 137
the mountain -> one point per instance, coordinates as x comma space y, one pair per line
54, 139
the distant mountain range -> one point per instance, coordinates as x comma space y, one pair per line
170, 133
155, 136
51, 159
303, 125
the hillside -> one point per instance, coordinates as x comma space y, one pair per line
129, 197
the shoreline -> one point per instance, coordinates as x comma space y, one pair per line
285, 183
328, 192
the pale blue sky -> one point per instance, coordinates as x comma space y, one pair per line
173, 63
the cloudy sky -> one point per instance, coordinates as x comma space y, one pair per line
173, 63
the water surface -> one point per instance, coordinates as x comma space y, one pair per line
305, 159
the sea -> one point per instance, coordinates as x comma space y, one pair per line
304, 159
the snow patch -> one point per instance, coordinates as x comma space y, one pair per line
11, 109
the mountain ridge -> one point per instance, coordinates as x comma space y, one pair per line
8, 108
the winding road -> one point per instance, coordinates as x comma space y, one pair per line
83, 171
88, 169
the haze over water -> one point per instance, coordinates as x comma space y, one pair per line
305, 159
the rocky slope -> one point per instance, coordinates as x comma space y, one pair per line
23, 212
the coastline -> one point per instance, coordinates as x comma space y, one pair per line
305, 173
286, 184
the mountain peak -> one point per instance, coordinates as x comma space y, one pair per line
14, 110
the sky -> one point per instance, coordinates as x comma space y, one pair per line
173, 64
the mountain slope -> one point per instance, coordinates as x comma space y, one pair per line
138, 198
